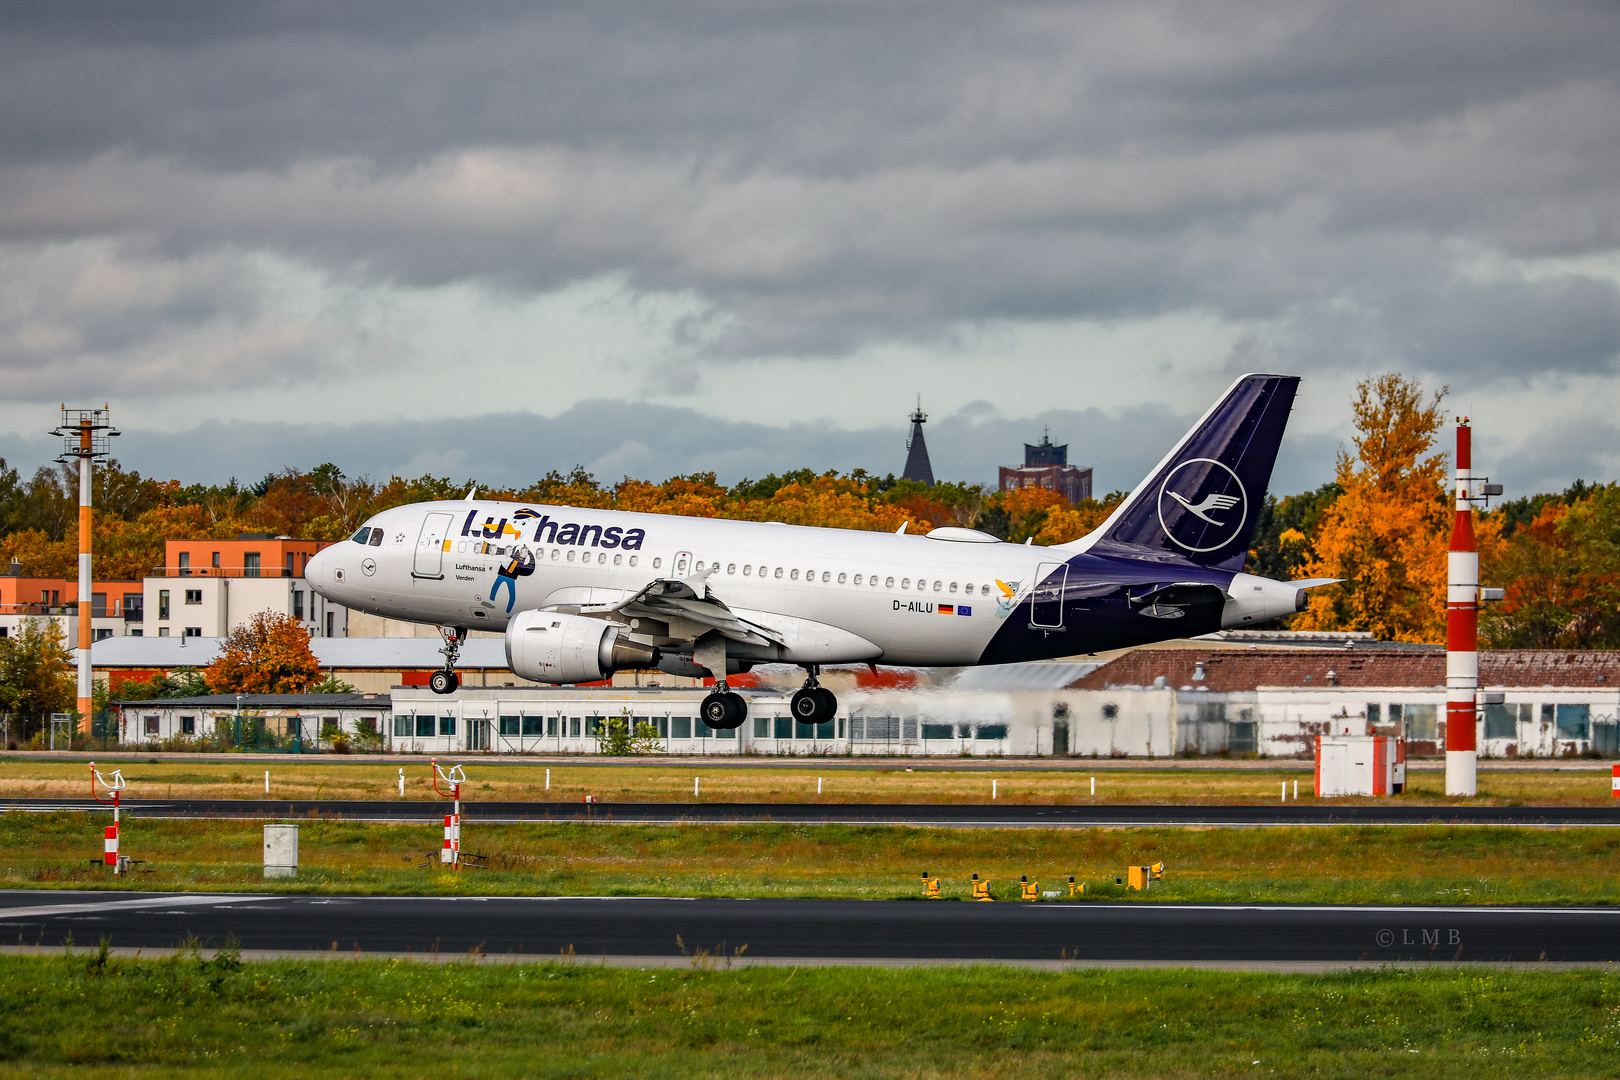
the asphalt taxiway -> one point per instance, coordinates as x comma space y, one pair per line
977, 815
814, 930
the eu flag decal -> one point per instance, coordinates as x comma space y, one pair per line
947, 609
964, 610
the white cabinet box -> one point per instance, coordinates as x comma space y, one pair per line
1359, 765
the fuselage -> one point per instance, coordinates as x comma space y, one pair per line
952, 598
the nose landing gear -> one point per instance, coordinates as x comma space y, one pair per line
814, 703
446, 681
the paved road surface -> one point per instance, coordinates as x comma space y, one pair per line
970, 815
816, 929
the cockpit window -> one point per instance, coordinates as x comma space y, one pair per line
376, 537
363, 535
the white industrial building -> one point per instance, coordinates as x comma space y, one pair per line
1209, 698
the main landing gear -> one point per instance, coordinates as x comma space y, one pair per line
445, 681
814, 704
724, 709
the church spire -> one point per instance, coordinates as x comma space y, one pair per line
917, 464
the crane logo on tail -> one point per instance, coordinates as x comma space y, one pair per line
1202, 505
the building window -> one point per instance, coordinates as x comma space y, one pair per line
298, 604
1421, 722
447, 725
163, 631
1574, 721
188, 725
402, 727
784, 727
992, 731
100, 634
216, 560
291, 557
1375, 713
329, 616
680, 727
534, 725
163, 603
1502, 721
151, 725
193, 631
509, 725
193, 596
250, 564
185, 564
424, 726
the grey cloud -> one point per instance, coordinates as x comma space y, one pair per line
824, 178
613, 439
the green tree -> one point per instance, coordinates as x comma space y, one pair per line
36, 673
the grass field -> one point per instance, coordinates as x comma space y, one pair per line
1417, 864
89, 1016
329, 778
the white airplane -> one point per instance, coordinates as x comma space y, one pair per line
582, 593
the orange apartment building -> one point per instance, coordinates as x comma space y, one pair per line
206, 588
113, 604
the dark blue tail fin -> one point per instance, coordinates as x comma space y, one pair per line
1201, 504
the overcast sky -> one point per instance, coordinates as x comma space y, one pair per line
497, 239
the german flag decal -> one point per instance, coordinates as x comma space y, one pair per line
947, 609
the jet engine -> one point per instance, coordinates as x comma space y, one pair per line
552, 647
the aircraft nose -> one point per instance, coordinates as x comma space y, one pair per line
318, 571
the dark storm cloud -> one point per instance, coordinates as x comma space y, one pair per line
613, 439
826, 177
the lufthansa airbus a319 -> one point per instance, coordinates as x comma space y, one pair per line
581, 593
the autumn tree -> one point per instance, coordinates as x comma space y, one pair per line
1386, 535
1561, 571
268, 654
36, 673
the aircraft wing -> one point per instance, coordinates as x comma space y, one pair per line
671, 599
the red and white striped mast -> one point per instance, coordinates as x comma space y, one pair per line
1463, 596
1462, 630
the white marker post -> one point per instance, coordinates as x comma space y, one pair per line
818, 785
1094, 785
548, 779
267, 781
694, 787
993, 789
402, 783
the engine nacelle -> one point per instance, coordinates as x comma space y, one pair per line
1254, 599
551, 647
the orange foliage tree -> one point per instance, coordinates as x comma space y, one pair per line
1387, 535
268, 654
1562, 577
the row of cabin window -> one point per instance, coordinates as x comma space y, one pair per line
423, 725
748, 570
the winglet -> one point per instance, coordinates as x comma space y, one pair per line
902, 527
472, 493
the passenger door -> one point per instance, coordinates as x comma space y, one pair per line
430, 545
1046, 598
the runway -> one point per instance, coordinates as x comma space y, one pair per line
815, 930
979, 815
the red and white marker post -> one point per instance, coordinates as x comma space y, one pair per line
1462, 630
450, 854
115, 787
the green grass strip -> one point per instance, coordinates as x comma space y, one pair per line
93, 1016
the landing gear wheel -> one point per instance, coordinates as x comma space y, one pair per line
829, 704
806, 705
724, 710
444, 682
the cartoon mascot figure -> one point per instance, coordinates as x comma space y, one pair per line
521, 565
